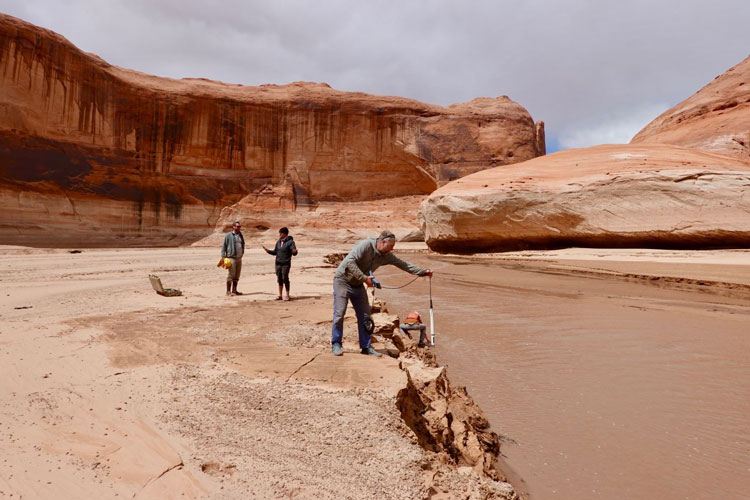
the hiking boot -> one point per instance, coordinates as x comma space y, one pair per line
371, 352
337, 350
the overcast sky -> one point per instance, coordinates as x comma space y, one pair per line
596, 71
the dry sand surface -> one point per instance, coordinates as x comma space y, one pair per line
109, 390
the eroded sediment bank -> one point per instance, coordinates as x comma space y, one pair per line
120, 391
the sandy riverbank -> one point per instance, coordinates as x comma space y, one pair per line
109, 390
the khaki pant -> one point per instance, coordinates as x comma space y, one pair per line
233, 273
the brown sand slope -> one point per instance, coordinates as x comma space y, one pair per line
111, 390
716, 118
605, 196
85, 142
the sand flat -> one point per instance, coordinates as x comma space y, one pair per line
109, 389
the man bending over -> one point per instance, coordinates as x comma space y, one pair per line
349, 281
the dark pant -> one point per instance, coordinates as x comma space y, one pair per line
282, 274
342, 293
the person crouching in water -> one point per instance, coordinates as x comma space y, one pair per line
233, 248
283, 251
348, 284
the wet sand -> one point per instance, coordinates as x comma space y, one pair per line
108, 390
612, 374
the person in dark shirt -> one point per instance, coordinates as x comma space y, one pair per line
283, 251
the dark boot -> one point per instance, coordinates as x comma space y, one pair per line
234, 288
229, 288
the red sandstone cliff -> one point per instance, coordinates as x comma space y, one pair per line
86, 143
716, 118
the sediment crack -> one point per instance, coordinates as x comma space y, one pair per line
302, 366
154, 479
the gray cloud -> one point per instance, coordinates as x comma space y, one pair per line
593, 70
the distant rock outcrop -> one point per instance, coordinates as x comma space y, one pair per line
88, 144
716, 118
605, 196
262, 214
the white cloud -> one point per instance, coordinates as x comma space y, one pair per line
618, 129
582, 66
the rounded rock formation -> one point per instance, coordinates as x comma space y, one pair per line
604, 196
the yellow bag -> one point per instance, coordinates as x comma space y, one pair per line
226, 263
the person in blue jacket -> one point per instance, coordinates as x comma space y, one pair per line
283, 251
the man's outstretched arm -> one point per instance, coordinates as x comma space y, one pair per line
407, 266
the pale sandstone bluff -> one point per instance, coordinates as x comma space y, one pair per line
716, 118
154, 160
651, 193
606, 196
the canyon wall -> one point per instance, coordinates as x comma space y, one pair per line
154, 160
716, 118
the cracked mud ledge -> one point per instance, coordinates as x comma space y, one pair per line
269, 413
445, 420
443, 417
280, 436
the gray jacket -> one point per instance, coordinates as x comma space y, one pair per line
364, 258
227, 249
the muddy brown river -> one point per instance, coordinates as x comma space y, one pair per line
602, 387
